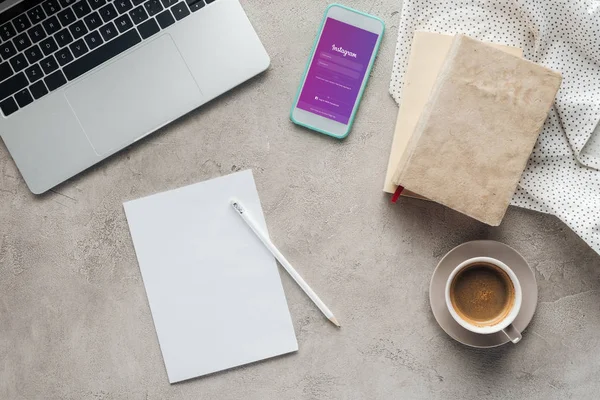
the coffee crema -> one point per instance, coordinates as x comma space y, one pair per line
482, 294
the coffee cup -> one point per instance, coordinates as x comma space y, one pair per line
484, 296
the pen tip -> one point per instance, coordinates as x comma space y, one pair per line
335, 322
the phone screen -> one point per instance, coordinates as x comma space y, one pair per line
337, 70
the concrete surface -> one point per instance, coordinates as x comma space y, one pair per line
75, 322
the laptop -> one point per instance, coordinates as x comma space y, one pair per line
82, 79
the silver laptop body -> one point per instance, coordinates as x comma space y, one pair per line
179, 56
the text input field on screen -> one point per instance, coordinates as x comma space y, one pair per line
344, 62
337, 68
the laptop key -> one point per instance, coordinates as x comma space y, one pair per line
137, 2
5, 70
54, 81
153, 7
123, 23
7, 31
81, 9
12, 85
22, 42
148, 28
180, 11
49, 64
33, 54
66, 3
108, 12
36, 33
51, 7
38, 89
165, 19
78, 29
138, 15
93, 21
64, 56
102, 54
9, 106
7, 50
21, 23
195, 5
18, 62
93, 40
36, 14
48, 46
23, 97
96, 4
51, 25
66, 17
63, 38
108, 31
78, 48
123, 6
34, 73
168, 3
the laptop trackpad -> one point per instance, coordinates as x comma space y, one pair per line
134, 95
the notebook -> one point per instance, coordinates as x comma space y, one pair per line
214, 290
476, 132
427, 54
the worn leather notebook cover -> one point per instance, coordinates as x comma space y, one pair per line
427, 55
476, 132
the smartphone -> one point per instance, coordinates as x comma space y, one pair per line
337, 71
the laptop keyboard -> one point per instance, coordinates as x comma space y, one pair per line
46, 45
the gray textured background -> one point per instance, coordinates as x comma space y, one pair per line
75, 322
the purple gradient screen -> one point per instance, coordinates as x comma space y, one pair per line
337, 70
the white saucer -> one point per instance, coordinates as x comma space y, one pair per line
481, 248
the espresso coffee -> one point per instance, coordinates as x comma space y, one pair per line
482, 294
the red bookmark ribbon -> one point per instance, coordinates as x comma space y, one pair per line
397, 194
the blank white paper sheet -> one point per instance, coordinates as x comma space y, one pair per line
214, 289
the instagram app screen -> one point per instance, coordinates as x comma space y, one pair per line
337, 70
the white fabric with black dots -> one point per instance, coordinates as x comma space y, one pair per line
563, 173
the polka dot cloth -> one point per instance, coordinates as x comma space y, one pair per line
563, 173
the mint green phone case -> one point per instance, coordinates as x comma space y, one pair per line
367, 74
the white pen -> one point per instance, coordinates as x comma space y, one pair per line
243, 212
